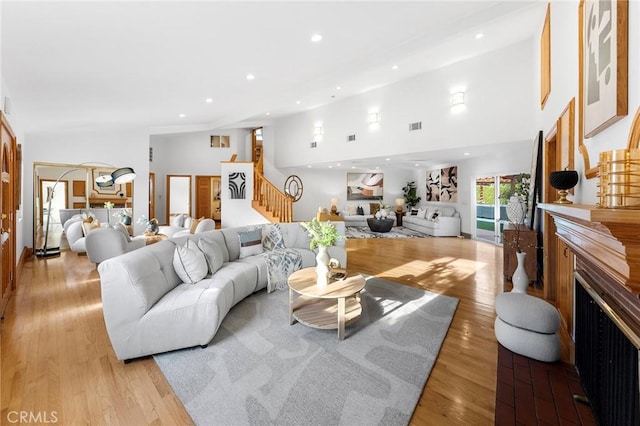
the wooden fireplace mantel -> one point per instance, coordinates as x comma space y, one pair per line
608, 238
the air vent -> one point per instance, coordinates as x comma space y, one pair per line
415, 126
150, 154
351, 138
314, 144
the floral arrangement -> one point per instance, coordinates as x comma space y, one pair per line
523, 185
321, 233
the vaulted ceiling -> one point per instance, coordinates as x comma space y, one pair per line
81, 64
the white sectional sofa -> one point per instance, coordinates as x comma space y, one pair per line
434, 221
148, 309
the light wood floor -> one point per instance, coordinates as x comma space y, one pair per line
57, 361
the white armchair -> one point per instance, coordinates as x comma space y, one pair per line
75, 236
105, 243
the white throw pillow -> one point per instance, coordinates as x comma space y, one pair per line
187, 222
212, 254
352, 210
421, 213
250, 242
189, 263
178, 220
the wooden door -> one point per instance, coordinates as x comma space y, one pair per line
152, 195
208, 197
203, 196
7, 216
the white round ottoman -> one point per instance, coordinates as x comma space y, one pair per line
528, 326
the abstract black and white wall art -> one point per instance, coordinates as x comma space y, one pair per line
433, 185
237, 186
449, 184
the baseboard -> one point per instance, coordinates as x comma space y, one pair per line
464, 235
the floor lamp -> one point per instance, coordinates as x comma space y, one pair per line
117, 177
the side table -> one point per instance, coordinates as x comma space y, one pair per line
399, 218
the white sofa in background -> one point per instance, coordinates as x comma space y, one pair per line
434, 221
148, 309
352, 218
103, 215
180, 225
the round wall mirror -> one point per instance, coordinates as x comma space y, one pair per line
293, 187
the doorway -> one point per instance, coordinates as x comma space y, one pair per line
53, 198
152, 195
208, 203
178, 195
492, 196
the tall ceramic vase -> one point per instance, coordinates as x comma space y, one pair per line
322, 266
519, 278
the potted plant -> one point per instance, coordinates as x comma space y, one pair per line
322, 235
410, 191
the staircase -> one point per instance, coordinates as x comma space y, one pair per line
269, 201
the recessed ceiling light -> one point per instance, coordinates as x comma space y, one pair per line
338, 87
309, 166
338, 164
479, 36
417, 165
250, 77
387, 159
331, 167
377, 167
353, 167
316, 38
298, 102
267, 113
182, 115
467, 153
395, 67
209, 100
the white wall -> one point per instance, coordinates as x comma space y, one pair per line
121, 147
564, 86
500, 107
190, 154
238, 212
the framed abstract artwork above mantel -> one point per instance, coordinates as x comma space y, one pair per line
603, 64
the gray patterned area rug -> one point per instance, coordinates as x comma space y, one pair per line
396, 232
260, 370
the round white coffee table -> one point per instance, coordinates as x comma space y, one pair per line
329, 307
